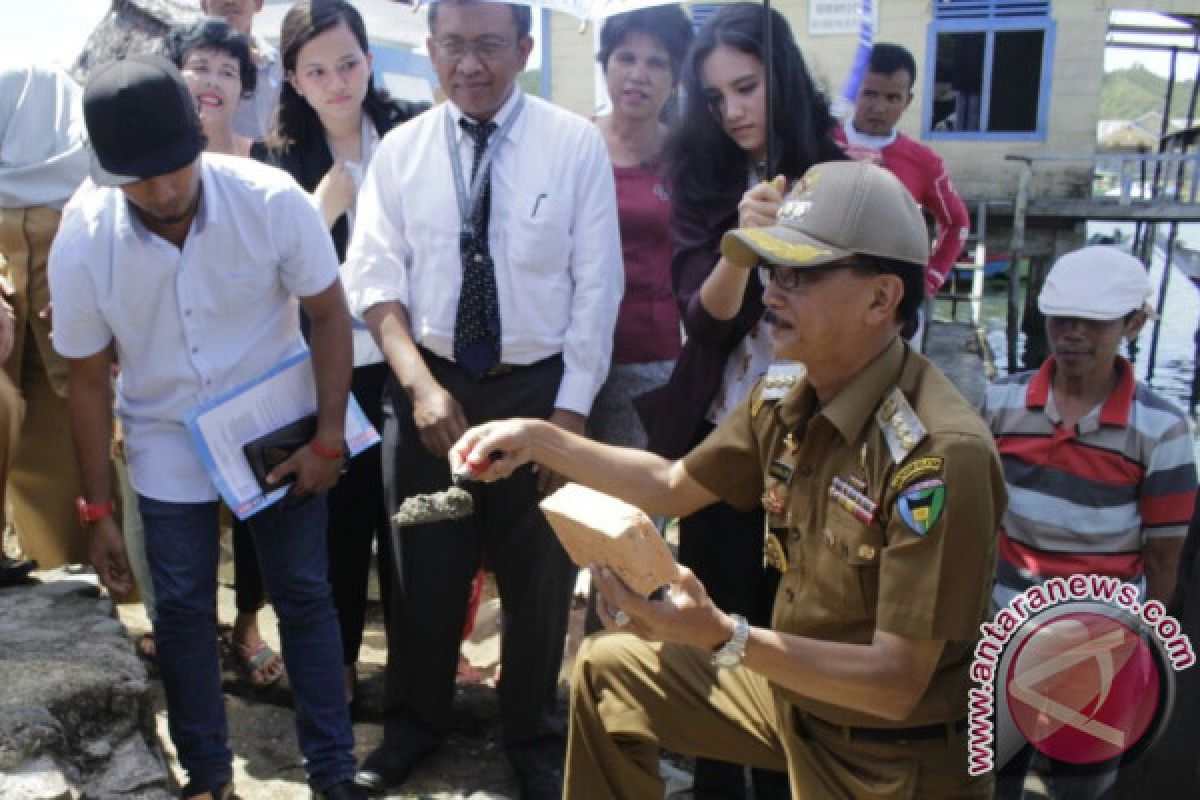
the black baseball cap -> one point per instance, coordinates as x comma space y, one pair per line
140, 119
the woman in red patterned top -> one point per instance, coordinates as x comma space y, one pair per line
641, 53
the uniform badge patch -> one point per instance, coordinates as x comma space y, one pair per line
780, 471
781, 379
921, 505
920, 468
902, 428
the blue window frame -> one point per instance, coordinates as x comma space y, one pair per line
702, 12
989, 70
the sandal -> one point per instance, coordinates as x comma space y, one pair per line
257, 660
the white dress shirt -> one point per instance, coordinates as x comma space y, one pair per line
189, 324
552, 233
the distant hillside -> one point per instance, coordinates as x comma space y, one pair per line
1129, 93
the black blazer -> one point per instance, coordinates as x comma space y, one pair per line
309, 161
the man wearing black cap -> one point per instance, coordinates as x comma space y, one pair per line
188, 270
882, 492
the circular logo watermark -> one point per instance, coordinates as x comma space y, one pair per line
1081, 668
1083, 687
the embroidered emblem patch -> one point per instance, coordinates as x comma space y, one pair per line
779, 250
921, 505
920, 468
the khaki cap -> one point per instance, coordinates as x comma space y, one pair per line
838, 209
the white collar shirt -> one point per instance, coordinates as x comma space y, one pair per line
552, 235
190, 323
255, 114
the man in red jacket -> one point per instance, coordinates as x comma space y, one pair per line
871, 135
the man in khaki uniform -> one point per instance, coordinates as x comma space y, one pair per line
43, 159
883, 494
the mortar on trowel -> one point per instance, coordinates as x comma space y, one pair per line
454, 502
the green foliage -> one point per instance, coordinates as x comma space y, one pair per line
1129, 93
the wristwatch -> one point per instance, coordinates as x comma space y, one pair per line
93, 512
730, 654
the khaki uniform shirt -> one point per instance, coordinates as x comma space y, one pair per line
882, 509
25, 238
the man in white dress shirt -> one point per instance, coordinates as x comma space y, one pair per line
187, 269
486, 260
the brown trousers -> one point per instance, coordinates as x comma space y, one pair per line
631, 698
43, 479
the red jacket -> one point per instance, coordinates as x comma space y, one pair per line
924, 175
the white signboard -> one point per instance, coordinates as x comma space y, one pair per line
838, 17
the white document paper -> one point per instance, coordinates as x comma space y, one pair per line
221, 427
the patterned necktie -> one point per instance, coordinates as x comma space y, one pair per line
477, 323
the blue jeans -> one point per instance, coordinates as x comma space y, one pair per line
182, 549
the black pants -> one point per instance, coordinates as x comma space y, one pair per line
437, 561
357, 518
724, 547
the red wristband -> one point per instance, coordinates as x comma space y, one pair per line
326, 452
93, 512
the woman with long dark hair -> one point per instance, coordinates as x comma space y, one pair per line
330, 119
720, 180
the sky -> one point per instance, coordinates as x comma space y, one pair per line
55, 31
1155, 61
51, 31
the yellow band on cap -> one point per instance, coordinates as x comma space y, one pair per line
783, 251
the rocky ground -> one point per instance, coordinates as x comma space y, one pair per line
266, 759
76, 712
470, 766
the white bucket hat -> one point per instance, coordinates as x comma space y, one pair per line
1097, 282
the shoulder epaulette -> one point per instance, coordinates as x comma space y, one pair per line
902, 428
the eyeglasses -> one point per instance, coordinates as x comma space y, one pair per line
485, 49
787, 279
792, 278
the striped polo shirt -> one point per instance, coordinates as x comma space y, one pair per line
1084, 501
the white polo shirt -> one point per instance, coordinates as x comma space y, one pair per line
188, 324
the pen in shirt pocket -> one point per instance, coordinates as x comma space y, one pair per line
537, 203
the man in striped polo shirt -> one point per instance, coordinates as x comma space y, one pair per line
1100, 469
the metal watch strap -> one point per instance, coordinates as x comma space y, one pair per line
731, 653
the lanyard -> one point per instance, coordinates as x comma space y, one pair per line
467, 203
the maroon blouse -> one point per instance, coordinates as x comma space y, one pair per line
648, 320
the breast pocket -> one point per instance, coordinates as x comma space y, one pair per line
539, 233
248, 289
849, 564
